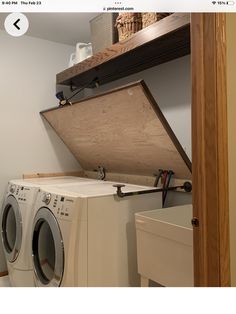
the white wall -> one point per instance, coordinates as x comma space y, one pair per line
27, 83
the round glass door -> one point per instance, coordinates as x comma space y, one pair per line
11, 228
47, 247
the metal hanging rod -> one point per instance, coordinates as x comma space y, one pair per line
187, 187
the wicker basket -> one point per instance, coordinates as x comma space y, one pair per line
127, 24
150, 18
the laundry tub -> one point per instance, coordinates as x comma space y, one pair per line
165, 246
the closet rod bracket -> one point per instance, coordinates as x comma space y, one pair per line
187, 187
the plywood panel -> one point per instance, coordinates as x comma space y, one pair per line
122, 130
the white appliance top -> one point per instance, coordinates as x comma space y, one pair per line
36, 182
102, 188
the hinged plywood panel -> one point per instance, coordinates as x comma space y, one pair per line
122, 130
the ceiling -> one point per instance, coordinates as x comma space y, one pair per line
66, 28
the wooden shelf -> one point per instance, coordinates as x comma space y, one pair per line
161, 42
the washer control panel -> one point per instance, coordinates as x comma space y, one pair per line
46, 198
12, 188
21, 193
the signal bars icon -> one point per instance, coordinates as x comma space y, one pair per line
223, 2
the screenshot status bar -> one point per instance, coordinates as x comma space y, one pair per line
117, 6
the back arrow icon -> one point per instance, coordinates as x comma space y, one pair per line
15, 24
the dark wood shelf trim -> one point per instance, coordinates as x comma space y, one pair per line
161, 42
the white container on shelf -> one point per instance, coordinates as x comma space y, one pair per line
83, 51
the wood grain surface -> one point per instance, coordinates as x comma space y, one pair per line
210, 156
122, 130
160, 42
53, 174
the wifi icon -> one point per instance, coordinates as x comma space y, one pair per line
213, 2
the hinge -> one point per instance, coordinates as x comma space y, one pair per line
101, 173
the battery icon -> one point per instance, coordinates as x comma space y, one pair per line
230, 3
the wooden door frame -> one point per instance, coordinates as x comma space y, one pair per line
209, 149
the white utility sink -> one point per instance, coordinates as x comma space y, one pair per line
165, 246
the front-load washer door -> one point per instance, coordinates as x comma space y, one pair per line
11, 228
47, 249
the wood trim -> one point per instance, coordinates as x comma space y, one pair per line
3, 273
210, 155
53, 174
223, 187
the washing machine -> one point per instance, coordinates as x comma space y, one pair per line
85, 235
16, 224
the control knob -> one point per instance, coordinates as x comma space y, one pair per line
12, 188
46, 198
